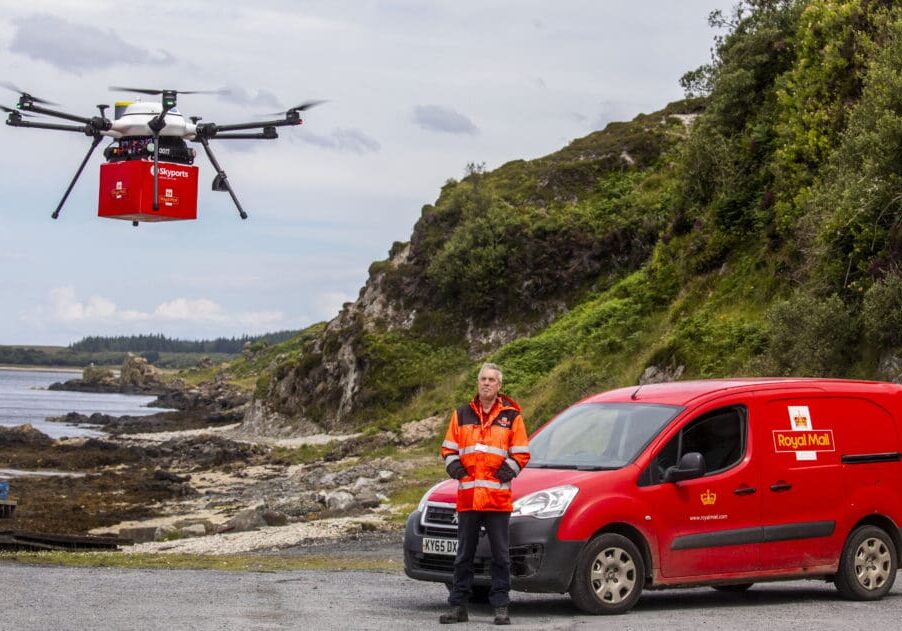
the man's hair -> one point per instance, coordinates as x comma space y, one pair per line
495, 367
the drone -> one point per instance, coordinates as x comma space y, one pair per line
149, 173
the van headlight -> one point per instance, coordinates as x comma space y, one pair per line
546, 503
422, 505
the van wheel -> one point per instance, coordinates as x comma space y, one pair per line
609, 576
734, 589
868, 565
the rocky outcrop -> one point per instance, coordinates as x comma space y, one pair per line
136, 376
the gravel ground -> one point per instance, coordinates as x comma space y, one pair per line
40, 598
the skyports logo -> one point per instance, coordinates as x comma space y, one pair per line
171, 174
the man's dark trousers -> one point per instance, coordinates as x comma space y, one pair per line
497, 527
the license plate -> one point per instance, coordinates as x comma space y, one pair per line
439, 546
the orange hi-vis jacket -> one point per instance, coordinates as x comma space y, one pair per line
483, 442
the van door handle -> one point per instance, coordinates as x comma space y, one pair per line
778, 487
744, 490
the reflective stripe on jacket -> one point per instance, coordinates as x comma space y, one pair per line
483, 442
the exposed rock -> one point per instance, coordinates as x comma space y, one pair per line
422, 430
338, 500
655, 374
23, 435
367, 499
141, 534
890, 367
98, 375
194, 530
136, 372
299, 507
211, 398
248, 519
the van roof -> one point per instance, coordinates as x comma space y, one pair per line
683, 392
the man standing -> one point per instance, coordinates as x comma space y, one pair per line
485, 447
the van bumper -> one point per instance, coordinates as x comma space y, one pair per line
540, 562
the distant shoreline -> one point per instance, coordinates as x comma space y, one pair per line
43, 369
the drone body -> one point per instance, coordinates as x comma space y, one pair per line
149, 174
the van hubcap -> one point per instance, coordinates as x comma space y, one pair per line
613, 575
872, 563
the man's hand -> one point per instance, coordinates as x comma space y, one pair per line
505, 473
456, 470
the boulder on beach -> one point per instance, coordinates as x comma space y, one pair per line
23, 435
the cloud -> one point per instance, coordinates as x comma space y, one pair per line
347, 140
443, 119
66, 307
261, 99
76, 47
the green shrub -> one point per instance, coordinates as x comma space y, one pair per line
881, 312
810, 337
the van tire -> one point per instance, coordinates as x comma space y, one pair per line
867, 567
609, 576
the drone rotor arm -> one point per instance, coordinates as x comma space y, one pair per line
15, 120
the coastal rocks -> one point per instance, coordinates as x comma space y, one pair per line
23, 435
215, 398
136, 376
339, 500
252, 519
99, 375
136, 372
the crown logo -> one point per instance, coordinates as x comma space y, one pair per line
708, 498
800, 421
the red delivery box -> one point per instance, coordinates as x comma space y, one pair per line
126, 191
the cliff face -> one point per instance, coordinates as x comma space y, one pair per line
754, 230
497, 257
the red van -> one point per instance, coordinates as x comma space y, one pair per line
722, 483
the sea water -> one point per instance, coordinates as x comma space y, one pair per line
24, 398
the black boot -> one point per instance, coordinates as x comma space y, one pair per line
457, 613
501, 616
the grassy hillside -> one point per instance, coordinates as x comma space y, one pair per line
753, 229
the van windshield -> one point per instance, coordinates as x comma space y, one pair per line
595, 436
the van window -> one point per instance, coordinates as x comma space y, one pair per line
595, 436
719, 436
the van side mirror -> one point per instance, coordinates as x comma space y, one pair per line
692, 465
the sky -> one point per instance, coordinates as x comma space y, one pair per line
414, 91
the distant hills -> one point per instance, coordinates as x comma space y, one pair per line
163, 351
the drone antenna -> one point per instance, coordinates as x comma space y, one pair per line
156, 124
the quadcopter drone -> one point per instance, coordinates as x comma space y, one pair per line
149, 174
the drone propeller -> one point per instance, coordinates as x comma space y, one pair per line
30, 97
153, 91
306, 105
10, 110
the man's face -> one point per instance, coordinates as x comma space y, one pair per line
489, 384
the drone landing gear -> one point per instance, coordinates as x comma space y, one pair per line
56, 213
221, 181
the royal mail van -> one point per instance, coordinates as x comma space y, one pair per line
723, 483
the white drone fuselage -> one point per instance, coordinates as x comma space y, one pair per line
132, 120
